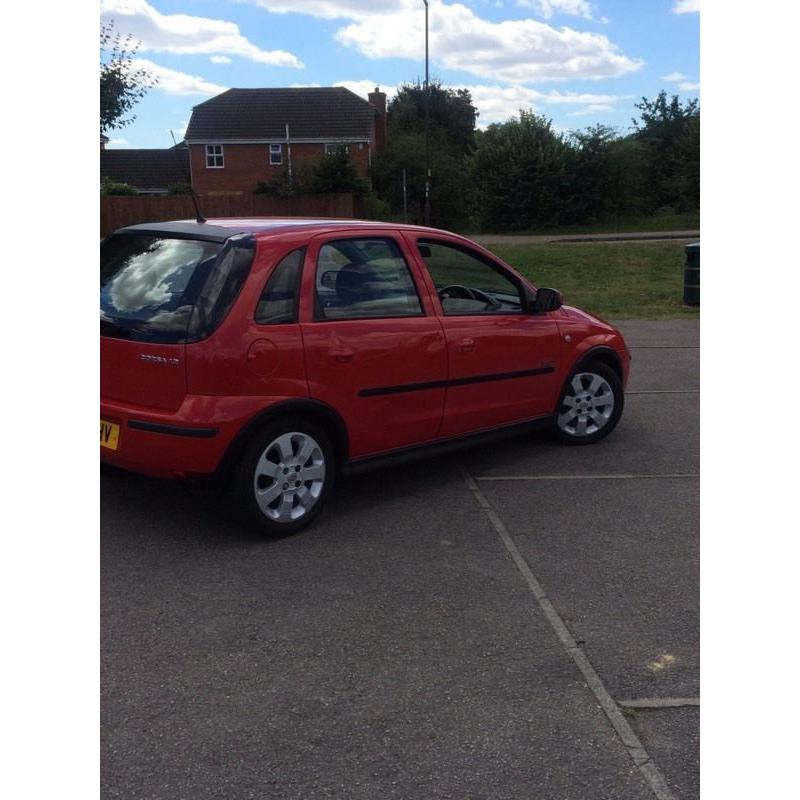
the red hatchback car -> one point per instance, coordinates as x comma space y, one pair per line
277, 352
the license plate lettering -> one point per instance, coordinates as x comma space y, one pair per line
109, 435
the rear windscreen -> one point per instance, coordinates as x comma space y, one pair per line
149, 285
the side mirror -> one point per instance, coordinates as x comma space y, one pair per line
328, 278
546, 300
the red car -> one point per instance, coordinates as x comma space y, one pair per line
278, 352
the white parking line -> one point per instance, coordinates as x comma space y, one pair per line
660, 702
606, 477
641, 758
663, 391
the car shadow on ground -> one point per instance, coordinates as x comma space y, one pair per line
205, 510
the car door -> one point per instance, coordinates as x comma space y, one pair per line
374, 346
502, 360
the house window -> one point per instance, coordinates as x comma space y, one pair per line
214, 157
332, 148
276, 155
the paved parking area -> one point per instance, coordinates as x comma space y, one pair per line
399, 648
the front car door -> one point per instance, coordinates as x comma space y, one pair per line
374, 345
502, 359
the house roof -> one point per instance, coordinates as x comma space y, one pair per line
146, 169
311, 113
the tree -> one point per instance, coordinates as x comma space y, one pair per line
523, 174
670, 133
451, 111
335, 172
452, 137
607, 175
122, 84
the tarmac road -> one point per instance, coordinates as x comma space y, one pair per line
397, 649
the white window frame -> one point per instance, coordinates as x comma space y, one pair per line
215, 151
275, 148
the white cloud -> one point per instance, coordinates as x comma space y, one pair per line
182, 34
673, 77
513, 51
363, 88
499, 103
170, 81
594, 108
116, 144
331, 9
220, 60
547, 8
687, 86
686, 7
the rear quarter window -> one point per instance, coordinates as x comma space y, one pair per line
169, 289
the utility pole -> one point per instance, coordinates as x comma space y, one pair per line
405, 197
427, 126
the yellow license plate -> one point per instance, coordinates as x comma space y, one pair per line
109, 435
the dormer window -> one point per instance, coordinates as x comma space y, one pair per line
215, 158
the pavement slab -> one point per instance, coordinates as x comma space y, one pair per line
658, 434
672, 737
620, 562
660, 371
389, 651
677, 333
393, 650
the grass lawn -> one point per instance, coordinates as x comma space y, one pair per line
632, 280
663, 222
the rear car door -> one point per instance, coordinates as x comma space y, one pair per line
374, 346
502, 359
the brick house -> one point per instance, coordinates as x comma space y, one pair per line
243, 136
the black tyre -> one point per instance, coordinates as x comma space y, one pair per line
285, 476
590, 405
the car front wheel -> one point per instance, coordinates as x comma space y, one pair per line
285, 476
590, 405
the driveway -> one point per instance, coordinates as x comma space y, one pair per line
519, 620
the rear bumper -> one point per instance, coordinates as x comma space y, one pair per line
189, 441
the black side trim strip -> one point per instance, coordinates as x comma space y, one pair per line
173, 430
421, 387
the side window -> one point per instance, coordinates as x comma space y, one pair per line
215, 158
467, 283
358, 278
278, 301
276, 155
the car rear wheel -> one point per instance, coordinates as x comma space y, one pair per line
285, 476
590, 405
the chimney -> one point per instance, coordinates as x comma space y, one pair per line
377, 100
103, 141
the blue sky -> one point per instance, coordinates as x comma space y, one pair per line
579, 62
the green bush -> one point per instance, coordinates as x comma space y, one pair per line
375, 208
179, 188
111, 187
279, 186
336, 173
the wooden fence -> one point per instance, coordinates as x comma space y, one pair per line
116, 211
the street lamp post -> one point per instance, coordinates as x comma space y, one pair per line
427, 126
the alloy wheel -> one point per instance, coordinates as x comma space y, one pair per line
587, 405
289, 477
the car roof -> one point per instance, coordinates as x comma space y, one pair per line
221, 228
